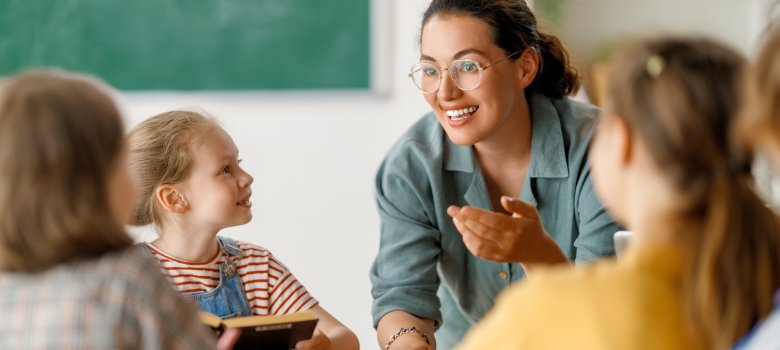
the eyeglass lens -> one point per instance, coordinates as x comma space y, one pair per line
465, 73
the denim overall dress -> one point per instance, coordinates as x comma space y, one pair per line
228, 299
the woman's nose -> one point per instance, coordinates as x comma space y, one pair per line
447, 87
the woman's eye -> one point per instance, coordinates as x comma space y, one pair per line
469, 66
429, 71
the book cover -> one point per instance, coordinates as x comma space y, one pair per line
266, 332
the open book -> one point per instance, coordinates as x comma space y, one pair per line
266, 332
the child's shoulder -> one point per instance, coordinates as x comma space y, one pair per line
253, 249
248, 250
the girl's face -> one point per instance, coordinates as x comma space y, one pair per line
218, 190
472, 116
121, 190
607, 150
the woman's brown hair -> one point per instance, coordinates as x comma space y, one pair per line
514, 29
60, 140
161, 152
680, 97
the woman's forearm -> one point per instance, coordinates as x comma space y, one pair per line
552, 255
392, 322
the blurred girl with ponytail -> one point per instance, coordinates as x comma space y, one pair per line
759, 130
705, 259
492, 182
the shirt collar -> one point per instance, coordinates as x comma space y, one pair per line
548, 157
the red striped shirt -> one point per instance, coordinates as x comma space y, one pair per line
270, 287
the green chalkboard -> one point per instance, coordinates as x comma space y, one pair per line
193, 44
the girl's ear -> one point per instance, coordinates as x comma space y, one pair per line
624, 140
527, 67
171, 199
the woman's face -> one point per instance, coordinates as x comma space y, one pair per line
471, 116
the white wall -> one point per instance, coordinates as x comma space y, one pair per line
313, 157
587, 24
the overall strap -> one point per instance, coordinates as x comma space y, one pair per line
230, 246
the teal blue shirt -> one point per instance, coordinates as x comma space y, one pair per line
420, 249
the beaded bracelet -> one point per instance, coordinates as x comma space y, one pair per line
403, 331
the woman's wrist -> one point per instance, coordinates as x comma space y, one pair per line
404, 331
554, 254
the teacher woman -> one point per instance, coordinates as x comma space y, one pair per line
453, 232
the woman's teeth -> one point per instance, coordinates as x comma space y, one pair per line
459, 114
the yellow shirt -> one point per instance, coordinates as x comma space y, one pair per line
632, 303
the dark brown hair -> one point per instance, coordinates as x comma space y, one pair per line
514, 29
680, 97
60, 139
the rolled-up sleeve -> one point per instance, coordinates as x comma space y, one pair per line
596, 227
404, 275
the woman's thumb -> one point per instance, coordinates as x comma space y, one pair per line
519, 207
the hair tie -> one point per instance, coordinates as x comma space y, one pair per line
655, 65
736, 168
733, 169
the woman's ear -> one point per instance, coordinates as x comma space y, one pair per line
171, 199
527, 67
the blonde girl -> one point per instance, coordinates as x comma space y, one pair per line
192, 186
706, 257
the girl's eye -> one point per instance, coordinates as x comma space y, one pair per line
225, 170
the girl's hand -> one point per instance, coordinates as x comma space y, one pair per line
318, 341
503, 238
228, 339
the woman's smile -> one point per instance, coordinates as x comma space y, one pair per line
460, 115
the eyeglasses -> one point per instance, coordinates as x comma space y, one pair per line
467, 74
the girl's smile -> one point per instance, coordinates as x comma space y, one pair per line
245, 203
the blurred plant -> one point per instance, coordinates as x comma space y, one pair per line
550, 11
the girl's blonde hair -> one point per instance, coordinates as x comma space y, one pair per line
680, 96
60, 141
162, 152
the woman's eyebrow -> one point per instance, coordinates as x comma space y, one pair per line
459, 54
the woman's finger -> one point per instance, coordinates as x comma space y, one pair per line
481, 247
484, 231
516, 206
488, 218
453, 210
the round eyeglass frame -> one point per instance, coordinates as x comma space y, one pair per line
416, 67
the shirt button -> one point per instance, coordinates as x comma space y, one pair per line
503, 275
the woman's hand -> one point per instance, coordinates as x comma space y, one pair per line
318, 341
503, 238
